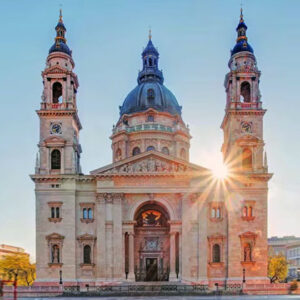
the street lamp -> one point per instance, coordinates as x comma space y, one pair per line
60, 277
244, 275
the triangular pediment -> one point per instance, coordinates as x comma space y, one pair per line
55, 69
150, 162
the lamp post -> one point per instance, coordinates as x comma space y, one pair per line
60, 277
244, 275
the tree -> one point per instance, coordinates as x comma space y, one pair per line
277, 268
17, 267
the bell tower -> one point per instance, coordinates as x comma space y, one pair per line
59, 148
243, 147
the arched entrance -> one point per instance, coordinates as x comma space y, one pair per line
152, 243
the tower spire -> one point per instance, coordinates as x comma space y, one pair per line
242, 40
60, 17
150, 58
60, 44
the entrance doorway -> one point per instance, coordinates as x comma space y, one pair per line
151, 269
152, 243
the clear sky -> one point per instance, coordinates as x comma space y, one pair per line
194, 39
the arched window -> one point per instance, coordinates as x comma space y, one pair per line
150, 148
247, 252
183, 153
150, 94
136, 151
90, 213
57, 92
247, 159
118, 154
150, 62
165, 150
55, 255
150, 118
218, 213
213, 213
85, 213
245, 91
245, 211
87, 254
216, 253
55, 160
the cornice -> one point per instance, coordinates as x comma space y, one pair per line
60, 112
61, 178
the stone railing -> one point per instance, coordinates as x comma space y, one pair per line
58, 106
150, 127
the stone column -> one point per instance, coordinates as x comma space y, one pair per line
180, 256
117, 237
62, 170
190, 243
172, 276
48, 162
131, 276
123, 254
109, 237
100, 245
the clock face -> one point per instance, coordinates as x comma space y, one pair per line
55, 128
246, 127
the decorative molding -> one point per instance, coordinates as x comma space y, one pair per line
87, 221
86, 237
55, 203
54, 236
55, 220
87, 204
55, 265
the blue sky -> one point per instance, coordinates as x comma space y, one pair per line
194, 39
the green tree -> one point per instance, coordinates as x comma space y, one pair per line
277, 268
17, 267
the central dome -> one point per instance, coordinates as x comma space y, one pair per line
150, 95
150, 91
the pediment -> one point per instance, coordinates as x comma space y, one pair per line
85, 237
151, 162
54, 236
55, 69
248, 234
55, 140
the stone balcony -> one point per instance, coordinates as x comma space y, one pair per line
57, 106
245, 105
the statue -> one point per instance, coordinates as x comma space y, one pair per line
55, 254
151, 165
247, 253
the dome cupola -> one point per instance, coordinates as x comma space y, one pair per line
242, 40
150, 91
60, 44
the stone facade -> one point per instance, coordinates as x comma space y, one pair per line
150, 215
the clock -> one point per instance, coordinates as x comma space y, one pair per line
55, 128
246, 127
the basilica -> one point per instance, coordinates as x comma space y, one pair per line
151, 214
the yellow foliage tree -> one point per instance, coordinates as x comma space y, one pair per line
277, 268
17, 267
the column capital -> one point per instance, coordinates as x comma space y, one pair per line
100, 198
